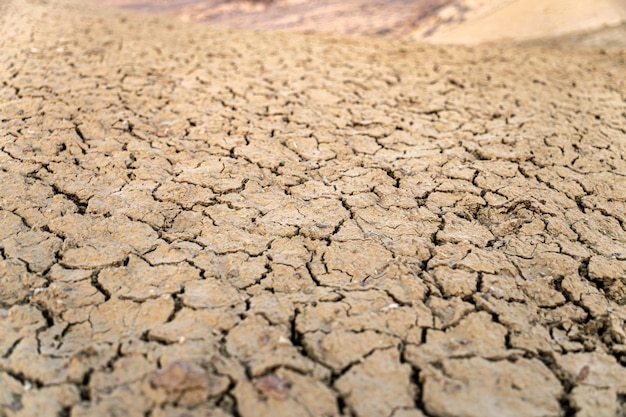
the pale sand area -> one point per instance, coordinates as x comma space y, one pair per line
467, 22
524, 20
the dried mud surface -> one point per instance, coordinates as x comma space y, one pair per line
211, 223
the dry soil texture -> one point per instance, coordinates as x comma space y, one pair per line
206, 223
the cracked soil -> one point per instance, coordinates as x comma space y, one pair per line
197, 222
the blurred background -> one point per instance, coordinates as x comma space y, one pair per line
582, 23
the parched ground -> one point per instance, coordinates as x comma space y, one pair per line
213, 223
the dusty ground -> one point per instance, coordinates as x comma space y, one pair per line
210, 223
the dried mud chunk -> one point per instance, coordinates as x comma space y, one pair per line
458, 186
17, 323
360, 180
186, 225
316, 218
462, 204
447, 313
313, 189
340, 348
519, 151
547, 265
116, 318
139, 281
157, 169
402, 283
292, 252
180, 376
124, 372
607, 184
391, 196
222, 214
38, 249
448, 254
358, 259
183, 194
190, 325
377, 386
541, 291
49, 400
457, 230
27, 360
606, 270
487, 261
10, 224
204, 174
212, 293
610, 207
592, 401
21, 193
262, 347
501, 286
173, 253
136, 201
239, 268
58, 205
475, 335
263, 199
276, 308
375, 310
93, 242
82, 182
528, 330
603, 234
11, 393
309, 149
59, 297
267, 154
455, 282
16, 282
285, 393
321, 316
481, 388
404, 232
285, 279
228, 239
579, 289
597, 369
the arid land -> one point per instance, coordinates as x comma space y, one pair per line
204, 222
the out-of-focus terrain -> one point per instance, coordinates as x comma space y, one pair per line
566, 22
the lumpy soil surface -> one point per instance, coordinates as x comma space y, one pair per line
197, 222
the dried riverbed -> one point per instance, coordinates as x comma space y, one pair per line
211, 223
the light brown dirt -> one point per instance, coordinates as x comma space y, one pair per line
210, 223
521, 20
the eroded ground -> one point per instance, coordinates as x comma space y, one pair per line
205, 223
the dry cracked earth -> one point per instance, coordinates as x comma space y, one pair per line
220, 223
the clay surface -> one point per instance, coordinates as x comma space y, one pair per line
197, 222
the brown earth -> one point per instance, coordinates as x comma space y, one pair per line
208, 223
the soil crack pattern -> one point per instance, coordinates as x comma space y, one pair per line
201, 222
